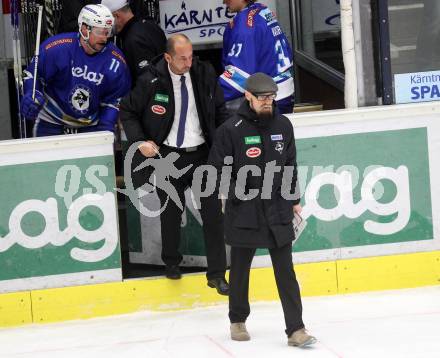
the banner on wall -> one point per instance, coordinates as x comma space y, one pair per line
58, 218
368, 189
202, 21
417, 87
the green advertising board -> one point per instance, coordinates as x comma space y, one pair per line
365, 191
58, 218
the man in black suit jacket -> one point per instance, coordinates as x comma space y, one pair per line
176, 107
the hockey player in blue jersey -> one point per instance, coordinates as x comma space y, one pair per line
254, 42
80, 79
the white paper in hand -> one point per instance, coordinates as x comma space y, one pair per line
299, 224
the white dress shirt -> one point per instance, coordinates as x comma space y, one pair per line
193, 130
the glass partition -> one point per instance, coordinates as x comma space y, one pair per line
319, 31
414, 28
414, 35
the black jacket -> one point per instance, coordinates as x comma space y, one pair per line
262, 222
70, 10
147, 112
140, 41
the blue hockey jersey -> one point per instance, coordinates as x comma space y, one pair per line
80, 90
254, 42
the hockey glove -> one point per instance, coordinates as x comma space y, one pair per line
29, 107
108, 116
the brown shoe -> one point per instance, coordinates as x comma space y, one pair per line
301, 339
239, 332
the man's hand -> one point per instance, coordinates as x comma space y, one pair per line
148, 149
297, 208
31, 107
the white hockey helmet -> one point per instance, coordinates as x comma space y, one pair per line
96, 16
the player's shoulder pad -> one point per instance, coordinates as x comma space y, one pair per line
60, 40
268, 15
253, 11
116, 53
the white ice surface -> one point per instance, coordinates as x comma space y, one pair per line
403, 323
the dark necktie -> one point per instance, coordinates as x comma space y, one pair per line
183, 112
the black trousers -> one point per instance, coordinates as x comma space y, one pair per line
210, 211
288, 288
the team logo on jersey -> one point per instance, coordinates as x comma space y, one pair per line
268, 15
159, 97
158, 109
229, 73
252, 140
80, 99
253, 152
250, 17
279, 146
276, 31
143, 63
82, 72
276, 137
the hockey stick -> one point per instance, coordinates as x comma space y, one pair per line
58, 8
50, 25
16, 53
37, 49
23, 21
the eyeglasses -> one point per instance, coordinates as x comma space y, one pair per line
265, 97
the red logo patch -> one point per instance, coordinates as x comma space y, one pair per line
253, 152
250, 17
227, 74
158, 109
